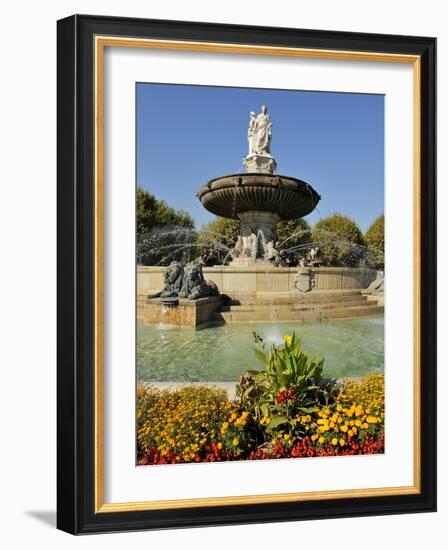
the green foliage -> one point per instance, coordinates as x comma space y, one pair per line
164, 234
215, 238
340, 241
292, 234
290, 385
374, 238
152, 213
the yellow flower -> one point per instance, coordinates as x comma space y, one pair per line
314, 437
220, 445
344, 428
288, 339
235, 442
287, 436
342, 442
350, 433
321, 439
334, 441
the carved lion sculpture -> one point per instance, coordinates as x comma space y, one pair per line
194, 285
173, 278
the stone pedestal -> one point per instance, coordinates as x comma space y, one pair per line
179, 312
260, 164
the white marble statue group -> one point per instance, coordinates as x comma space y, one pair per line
255, 246
259, 133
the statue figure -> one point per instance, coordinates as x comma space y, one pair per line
255, 242
251, 132
194, 285
239, 247
262, 141
270, 254
376, 288
172, 278
252, 246
313, 253
246, 246
259, 160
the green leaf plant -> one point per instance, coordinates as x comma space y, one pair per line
290, 386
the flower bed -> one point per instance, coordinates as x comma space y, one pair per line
286, 410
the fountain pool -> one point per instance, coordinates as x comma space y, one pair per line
351, 348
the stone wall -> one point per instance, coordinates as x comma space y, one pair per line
262, 279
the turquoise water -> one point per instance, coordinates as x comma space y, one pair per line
223, 353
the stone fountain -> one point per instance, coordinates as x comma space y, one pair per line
256, 285
259, 199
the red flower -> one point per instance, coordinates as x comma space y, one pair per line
286, 395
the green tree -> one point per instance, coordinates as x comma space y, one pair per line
292, 236
374, 238
164, 234
152, 213
340, 241
216, 238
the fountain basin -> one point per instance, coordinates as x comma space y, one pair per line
287, 197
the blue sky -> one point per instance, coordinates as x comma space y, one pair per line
187, 135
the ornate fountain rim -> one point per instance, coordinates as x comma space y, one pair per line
273, 182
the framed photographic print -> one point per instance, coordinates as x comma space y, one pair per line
246, 274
